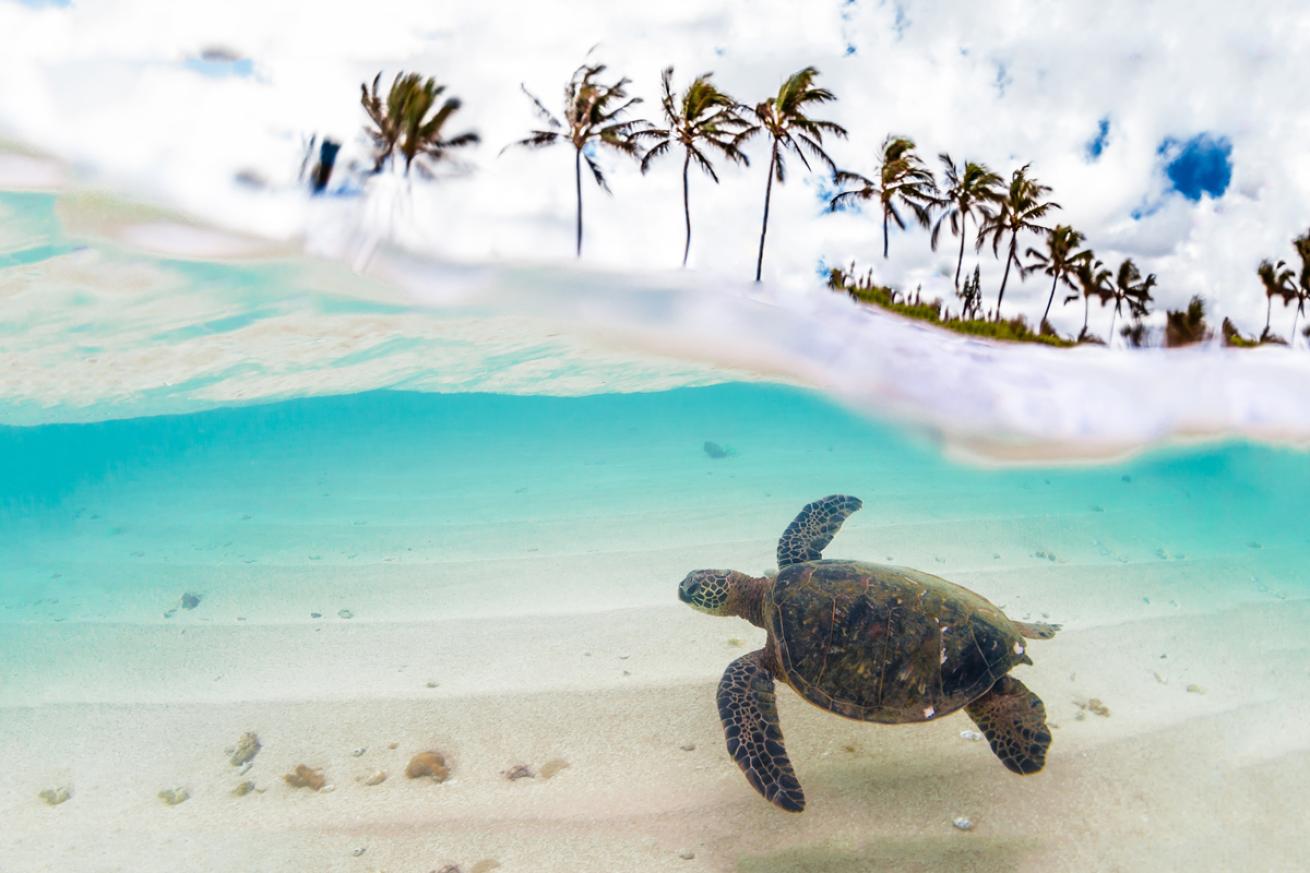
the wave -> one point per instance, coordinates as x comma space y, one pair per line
96, 328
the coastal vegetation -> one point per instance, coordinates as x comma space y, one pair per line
701, 120
783, 119
410, 123
591, 119
902, 178
408, 127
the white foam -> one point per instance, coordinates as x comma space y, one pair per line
1000, 399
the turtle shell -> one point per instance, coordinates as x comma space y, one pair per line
887, 644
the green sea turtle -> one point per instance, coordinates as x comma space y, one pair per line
866, 641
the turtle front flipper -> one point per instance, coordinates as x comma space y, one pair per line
750, 723
1014, 721
811, 531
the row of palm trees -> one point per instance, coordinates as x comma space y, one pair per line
706, 123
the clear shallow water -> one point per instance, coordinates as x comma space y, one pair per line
95, 516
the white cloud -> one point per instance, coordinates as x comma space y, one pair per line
103, 85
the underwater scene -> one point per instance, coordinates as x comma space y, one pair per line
711, 437
409, 629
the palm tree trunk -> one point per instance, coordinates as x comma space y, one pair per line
1113, 315
959, 262
884, 234
1014, 240
1087, 310
764, 228
1300, 306
1049, 300
686, 206
577, 175
1269, 309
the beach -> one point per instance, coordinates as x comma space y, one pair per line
518, 607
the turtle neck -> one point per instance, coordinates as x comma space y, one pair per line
754, 592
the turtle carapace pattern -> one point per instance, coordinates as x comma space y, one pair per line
870, 642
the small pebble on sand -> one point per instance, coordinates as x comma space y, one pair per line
972, 736
519, 771
243, 789
552, 767
962, 823
1094, 706
55, 796
345, 613
357, 851
245, 750
428, 764
377, 777
450, 868
359, 751
1195, 689
432, 683
688, 747
190, 601
687, 856
305, 777
174, 796
316, 615
485, 865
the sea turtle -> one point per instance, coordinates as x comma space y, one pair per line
866, 641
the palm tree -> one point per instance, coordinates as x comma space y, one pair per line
1278, 281
1302, 246
702, 117
1129, 287
590, 119
901, 176
1060, 261
967, 191
406, 122
1018, 211
1094, 280
783, 118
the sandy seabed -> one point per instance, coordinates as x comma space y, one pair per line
548, 631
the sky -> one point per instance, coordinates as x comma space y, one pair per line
1172, 132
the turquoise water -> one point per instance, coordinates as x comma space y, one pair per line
93, 513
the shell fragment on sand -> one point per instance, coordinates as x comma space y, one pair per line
174, 796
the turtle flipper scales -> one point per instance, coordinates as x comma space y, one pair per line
1014, 721
750, 724
811, 531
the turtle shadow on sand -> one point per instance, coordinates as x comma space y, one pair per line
929, 854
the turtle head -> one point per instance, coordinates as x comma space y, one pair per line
718, 592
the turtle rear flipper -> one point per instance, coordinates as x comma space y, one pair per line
811, 531
750, 724
1014, 721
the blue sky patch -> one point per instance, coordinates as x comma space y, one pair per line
826, 188
1200, 165
219, 68
1097, 143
